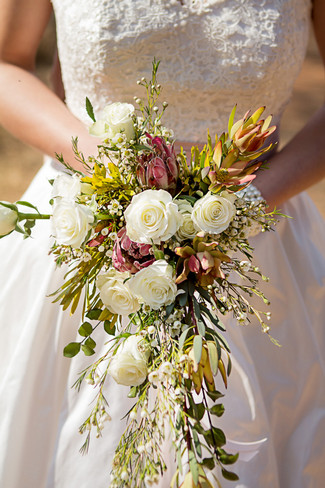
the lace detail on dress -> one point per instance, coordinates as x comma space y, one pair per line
214, 53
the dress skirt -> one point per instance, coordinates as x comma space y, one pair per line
275, 403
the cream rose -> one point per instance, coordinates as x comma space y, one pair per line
71, 223
8, 219
66, 186
188, 229
115, 292
213, 213
117, 119
152, 216
129, 365
155, 285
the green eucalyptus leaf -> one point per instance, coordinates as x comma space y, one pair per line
197, 443
90, 343
85, 329
194, 467
71, 349
201, 328
182, 338
182, 298
217, 410
88, 351
197, 346
226, 458
109, 327
94, 314
228, 475
208, 463
215, 395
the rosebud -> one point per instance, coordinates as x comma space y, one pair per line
8, 219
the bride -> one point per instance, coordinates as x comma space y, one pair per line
213, 53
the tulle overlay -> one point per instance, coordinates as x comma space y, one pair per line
275, 413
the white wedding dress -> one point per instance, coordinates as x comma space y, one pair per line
213, 53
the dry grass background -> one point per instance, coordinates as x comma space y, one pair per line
19, 163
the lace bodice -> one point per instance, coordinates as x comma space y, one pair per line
214, 53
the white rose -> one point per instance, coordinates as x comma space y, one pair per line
155, 284
188, 229
129, 365
115, 294
213, 213
152, 216
8, 219
66, 186
71, 223
116, 119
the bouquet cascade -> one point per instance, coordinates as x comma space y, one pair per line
157, 249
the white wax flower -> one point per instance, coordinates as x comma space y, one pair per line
71, 223
188, 229
8, 219
213, 213
129, 365
66, 186
155, 284
115, 292
117, 118
152, 216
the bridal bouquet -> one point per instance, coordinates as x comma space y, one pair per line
157, 249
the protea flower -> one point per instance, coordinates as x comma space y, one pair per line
203, 259
130, 256
235, 170
159, 168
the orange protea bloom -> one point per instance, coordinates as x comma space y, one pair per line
234, 161
203, 259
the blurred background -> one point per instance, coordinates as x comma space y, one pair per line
19, 163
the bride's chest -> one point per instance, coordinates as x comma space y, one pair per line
213, 34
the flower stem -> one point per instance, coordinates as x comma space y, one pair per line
32, 216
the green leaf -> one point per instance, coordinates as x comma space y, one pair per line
209, 463
219, 437
215, 395
226, 458
88, 351
169, 309
182, 298
90, 110
197, 310
229, 366
197, 443
217, 410
197, 346
201, 328
133, 392
193, 467
182, 338
71, 349
231, 119
27, 204
85, 329
90, 343
228, 475
109, 327
213, 357
94, 314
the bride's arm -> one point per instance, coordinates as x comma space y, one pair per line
28, 109
301, 163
